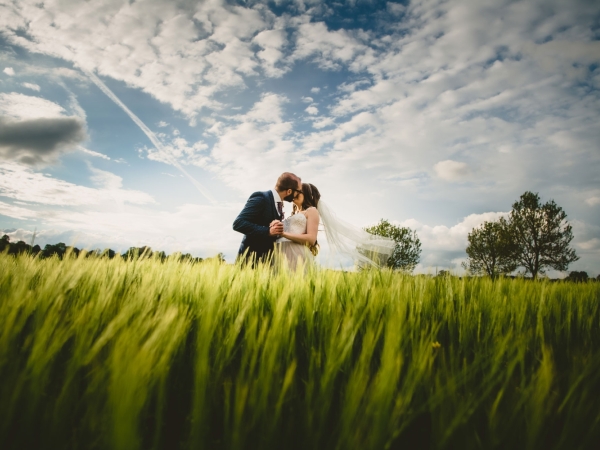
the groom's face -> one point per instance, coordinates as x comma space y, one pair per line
291, 194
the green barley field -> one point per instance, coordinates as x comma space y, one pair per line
109, 354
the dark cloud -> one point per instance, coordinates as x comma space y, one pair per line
39, 141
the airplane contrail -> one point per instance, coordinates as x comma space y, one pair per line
155, 141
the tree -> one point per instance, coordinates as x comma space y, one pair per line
408, 246
108, 252
138, 252
490, 249
541, 235
4, 242
219, 257
578, 277
54, 249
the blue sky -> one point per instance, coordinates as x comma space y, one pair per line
150, 122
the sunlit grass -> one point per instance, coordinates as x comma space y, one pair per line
99, 353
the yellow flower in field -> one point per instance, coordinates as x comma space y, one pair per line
436, 345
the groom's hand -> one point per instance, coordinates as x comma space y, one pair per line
276, 228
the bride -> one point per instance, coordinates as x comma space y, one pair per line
298, 243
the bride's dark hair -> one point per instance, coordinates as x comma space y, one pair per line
311, 196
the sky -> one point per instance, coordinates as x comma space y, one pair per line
129, 123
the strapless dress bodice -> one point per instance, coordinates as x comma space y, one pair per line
294, 224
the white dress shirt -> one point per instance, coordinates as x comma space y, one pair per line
277, 198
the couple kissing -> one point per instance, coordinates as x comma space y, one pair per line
268, 233
265, 227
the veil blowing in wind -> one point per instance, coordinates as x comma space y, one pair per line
349, 241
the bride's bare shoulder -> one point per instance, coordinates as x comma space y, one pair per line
312, 211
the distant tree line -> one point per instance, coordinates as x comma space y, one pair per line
536, 236
61, 249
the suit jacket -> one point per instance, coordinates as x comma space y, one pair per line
254, 221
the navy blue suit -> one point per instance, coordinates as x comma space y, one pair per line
254, 221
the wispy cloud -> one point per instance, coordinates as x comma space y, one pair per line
21, 183
451, 170
155, 141
20, 106
32, 86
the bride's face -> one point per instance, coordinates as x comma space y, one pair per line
298, 200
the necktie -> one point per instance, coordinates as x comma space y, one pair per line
280, 209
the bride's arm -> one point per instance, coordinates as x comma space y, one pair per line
312, 227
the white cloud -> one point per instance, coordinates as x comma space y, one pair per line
443, 246
179, 149
395, 8
21, 106
16, 212
256, 147
32, 86
322, 122
9, 71
162, 124
312, 110
444, 238
21, 183
105, 179
180, 55
93, 153
307, 99
329, 49
451, 170
315, 90
121, 228
593, 201
272, 54
592, 244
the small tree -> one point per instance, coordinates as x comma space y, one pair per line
541, 235
490, 250
408, 246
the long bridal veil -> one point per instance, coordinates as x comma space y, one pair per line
347, 241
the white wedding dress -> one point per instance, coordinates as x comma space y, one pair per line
294, 254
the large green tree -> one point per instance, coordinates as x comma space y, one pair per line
408, 246
541, 235
490, 249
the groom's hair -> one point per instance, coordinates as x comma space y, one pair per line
287, 180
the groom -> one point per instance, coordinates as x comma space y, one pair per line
260, 220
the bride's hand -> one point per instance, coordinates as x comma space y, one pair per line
276, 228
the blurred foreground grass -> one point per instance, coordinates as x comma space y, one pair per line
108, 354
